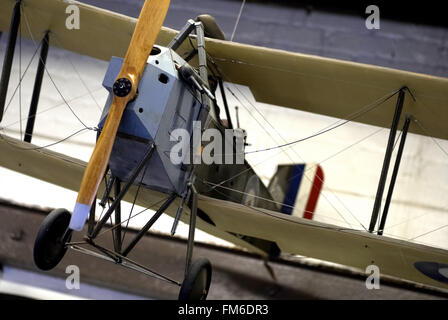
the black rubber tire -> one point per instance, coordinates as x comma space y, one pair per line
48, 247
197, 281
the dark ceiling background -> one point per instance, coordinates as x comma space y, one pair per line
421, 12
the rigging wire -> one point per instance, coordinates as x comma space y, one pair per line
345, 149
233, 177
406, 221
268, 200
79, 77
354, 114
65, 101
2, 136
51, 108
135, 198
432, 231
426, 107
324, 227
351, 117
52, 80
323, 131
330, 128
237, 20
221, 73
339, 152
432, 138
21, 78
367, 108
289, 220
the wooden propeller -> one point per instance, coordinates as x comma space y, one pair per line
125, 88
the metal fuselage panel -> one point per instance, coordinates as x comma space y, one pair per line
165, 103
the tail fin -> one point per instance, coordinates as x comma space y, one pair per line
297, 188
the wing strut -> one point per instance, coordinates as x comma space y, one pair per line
7, 62
37, 88
394, 174
387, 158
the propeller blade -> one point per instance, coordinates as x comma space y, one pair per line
125, 88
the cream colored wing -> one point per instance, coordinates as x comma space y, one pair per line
309, 83
328, 242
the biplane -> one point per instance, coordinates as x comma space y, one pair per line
160, 80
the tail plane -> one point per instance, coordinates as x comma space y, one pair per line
296, 188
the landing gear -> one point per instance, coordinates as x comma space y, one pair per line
197, 281
172, 180
49, 246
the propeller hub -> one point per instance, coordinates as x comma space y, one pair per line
122, 87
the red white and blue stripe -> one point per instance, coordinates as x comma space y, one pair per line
302, 190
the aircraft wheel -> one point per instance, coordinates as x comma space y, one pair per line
197, 281
49, 247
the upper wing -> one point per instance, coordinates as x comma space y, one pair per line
67, 172
309, 83
327, 242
